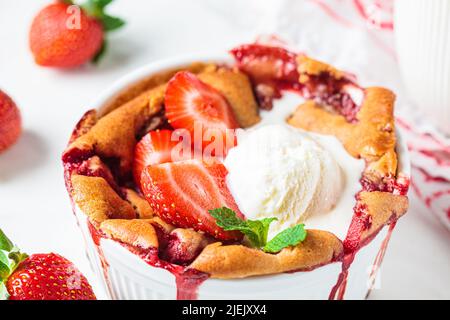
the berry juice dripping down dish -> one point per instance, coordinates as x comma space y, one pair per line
338, 290
187, 280
96, 237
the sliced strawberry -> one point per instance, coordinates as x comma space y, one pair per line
154, 148
196, 106
266, 63
182, 192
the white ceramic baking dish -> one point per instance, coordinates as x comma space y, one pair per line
125, 276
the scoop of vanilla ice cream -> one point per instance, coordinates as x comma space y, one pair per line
279, 171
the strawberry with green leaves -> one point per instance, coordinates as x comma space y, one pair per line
64, 35
39, 276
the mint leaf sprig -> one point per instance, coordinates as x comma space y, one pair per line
256, 230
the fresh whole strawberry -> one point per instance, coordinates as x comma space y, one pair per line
39, 276
64, 35
181, 193
10, 122
191, 104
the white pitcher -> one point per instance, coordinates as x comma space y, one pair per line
422, 32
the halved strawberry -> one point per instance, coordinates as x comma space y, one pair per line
266, 63
182, 192
196, 106
154, 148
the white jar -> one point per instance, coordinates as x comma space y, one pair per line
422, 32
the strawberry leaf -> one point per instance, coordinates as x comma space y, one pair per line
95, 8
102, 3
10, 255
3, 292
100, 53
111, 23
5, 243
4, 271
4, 258
17, 257
288, 237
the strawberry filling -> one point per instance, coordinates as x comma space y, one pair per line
274, 69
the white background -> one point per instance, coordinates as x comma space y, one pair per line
34, 207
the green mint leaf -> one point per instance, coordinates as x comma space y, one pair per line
261, 229
226, 218
5, 243
255, 230
288, 237
111, 23
4, 295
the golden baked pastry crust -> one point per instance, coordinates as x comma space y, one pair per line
122, 214
96, 198
383, 207
135, 232
371, 138
236, 88
238, 261
308, 67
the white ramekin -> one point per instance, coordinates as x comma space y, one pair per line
125, 276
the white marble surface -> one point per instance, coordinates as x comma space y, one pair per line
34, 206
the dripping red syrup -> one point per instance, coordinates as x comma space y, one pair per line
351, 248
361, 222
96, 236
187, 280
379, 258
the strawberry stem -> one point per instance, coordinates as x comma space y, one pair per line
10, 258
95, 8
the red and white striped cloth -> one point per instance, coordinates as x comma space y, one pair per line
429, 150
356, 35
430, 168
